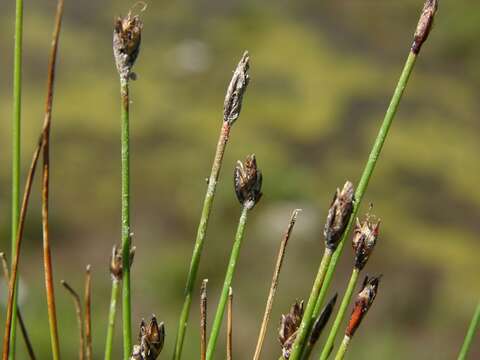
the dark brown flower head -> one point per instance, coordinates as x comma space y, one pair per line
116, 263
127, 35
364, 239
248, 182
338, 215
288, 328
363, 302
236, 90
151, 339
322, 320
424, 24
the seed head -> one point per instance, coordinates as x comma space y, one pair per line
363, 302
322, 320
338, 215
151, 339
424, 24
289, 325
236, 90
127, 35
364, 239
116, 263
248, 182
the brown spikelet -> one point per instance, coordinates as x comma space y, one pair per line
365, 237
236, 89
338, 215
289, 327
248, 182
425, 24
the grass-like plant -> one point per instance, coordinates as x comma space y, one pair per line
127, 36
16, 149
42, 145
316, 298
231, 111
248, 184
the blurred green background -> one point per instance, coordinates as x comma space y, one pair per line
322, 76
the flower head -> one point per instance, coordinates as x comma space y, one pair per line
151, 339
116, 262
338, 215
322, 320
127, 35
248, 182
424, 24
236, 89
289, 327
363, 302
365, 237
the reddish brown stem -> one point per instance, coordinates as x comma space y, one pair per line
47, 256
230, 325
203, 320
14, 273
78, 312
23, 327
88, 313
274, 284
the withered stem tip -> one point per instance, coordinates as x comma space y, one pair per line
236, 89
425, 24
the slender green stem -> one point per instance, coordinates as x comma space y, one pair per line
126, 236
343, 348
111, 319
201, 233
307, 322
16, 155
217, 322
369, 168
472, 329
327, 349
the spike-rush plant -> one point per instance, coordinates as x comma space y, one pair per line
301, 328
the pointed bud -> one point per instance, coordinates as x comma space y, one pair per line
363, 302
236, 89
127, 35
116, 263
289, 327
248, 182
424, 24
338, 215
151, 340
364, 239
322, 320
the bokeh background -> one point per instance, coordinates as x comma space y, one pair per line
322, 76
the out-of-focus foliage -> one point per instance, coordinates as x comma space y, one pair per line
322, 75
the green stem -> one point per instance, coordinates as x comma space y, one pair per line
111, 319
16, 154
369, 167
126, 237
199, 241
472, 329
217, 322
343, 348
327, 349
307, 322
